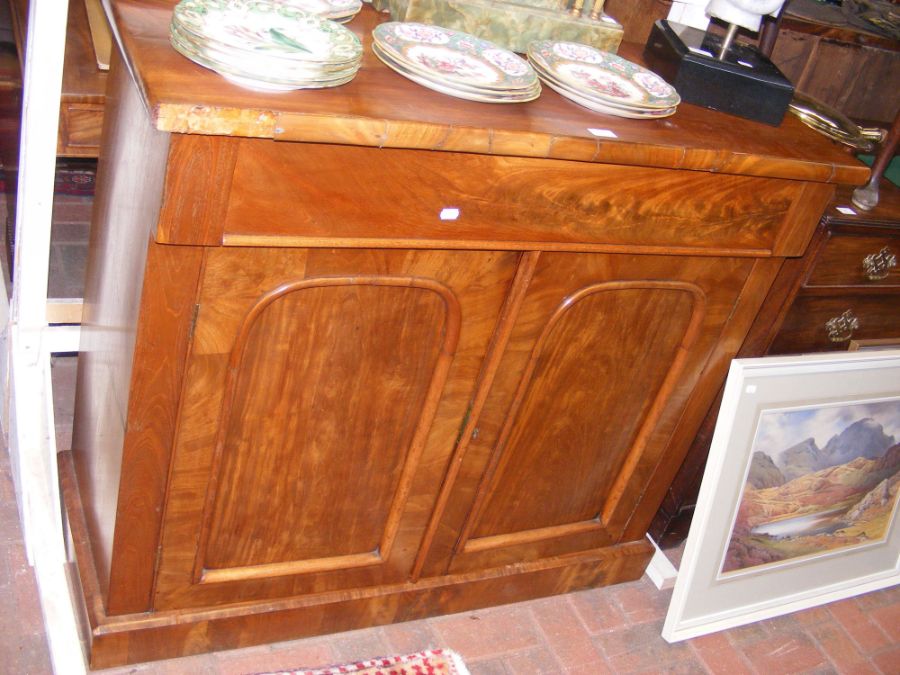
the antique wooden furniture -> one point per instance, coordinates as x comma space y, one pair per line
369, 354
83, 86
847, 68
848, 285
844, 291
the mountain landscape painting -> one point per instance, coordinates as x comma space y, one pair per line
820, 480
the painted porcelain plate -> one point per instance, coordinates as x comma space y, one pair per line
253, 64
336, 10
602, 76
277, 27
268, 81
597, 106
468, 93
453, 58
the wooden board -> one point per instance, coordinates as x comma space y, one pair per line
101, 36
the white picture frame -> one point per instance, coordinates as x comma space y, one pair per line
735, 570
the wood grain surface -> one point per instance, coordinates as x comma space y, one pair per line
840, 262
503, 202
134, 638
554, 416
329, 464
299, 419
120, 465
804, 330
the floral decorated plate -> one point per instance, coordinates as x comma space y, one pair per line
452, 57
603, 76
597, 106
606, 104
458, 90
277, 27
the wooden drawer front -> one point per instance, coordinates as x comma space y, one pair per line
294, 194
804, 328
79, 130
848, 260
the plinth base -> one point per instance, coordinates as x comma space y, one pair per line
115, 640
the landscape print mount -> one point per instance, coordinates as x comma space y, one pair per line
820, 480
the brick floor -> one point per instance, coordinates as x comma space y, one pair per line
606, 630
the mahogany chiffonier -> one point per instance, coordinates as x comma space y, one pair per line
370, 354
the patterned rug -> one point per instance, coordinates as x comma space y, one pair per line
431, 662
72, 177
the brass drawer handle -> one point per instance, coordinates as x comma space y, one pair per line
840, 328
879, 265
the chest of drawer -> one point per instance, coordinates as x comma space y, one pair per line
853, 260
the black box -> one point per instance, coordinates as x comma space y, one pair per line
745, 83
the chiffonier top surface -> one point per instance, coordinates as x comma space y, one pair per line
380, 108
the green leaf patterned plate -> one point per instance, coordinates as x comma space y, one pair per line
252, 63
602, 76
277, 27
453, 57
250, 75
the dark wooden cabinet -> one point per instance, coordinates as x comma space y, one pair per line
369, 354
828, 323
850, 287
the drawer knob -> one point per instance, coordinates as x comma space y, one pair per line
879, 265
840, 328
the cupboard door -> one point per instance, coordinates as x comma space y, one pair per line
322, 399
600, 363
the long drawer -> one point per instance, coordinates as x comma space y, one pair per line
294, 194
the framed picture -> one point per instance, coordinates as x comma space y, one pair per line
882, 343
799, 501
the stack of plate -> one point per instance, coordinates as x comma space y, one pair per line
455, 63
601, 81
269, 45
